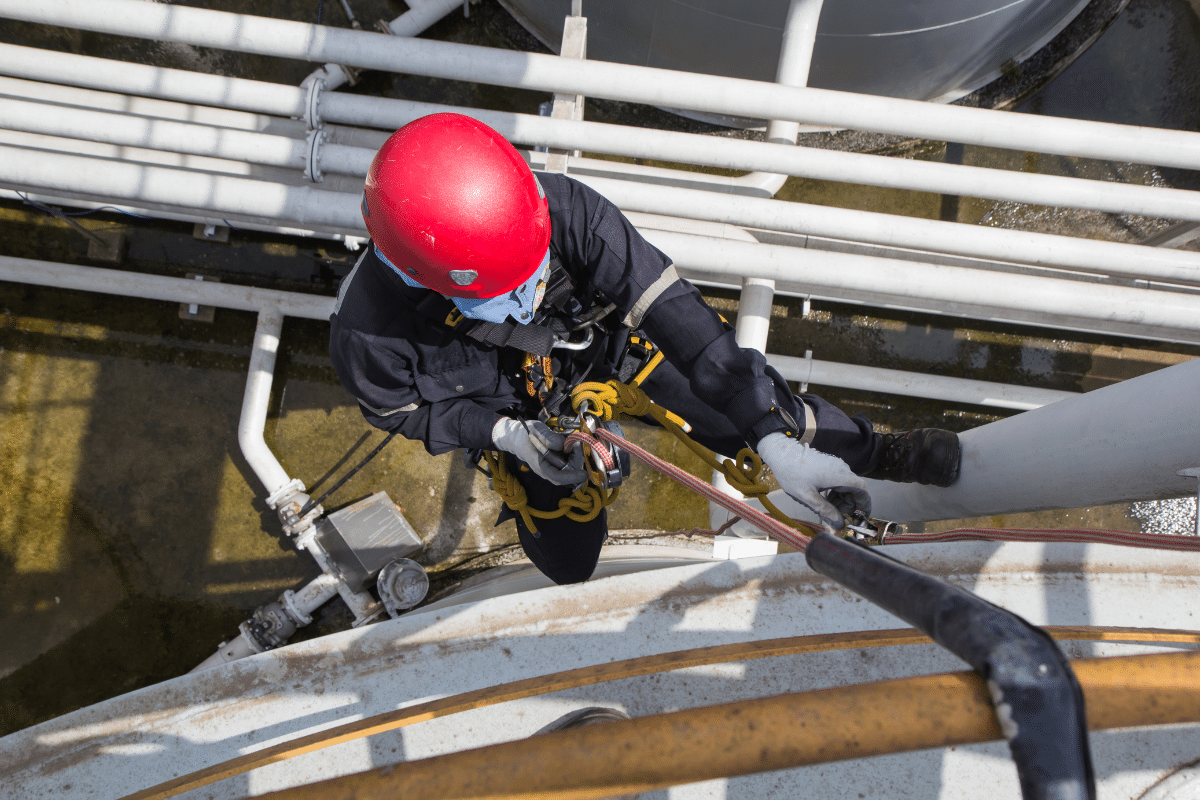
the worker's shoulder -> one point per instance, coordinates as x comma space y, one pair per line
368, 302
564, 193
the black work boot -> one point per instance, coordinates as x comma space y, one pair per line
926, 455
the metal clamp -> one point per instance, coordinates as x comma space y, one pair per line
312, 167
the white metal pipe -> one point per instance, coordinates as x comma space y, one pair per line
914, 384
299, 605
891, 283
180, 188
159, 287
754, 313
352, 241
110, 75
1055, 302
294, 304
411, 23
726, 153
872, 170
659, 87
179, 137
795, 58
43, 92
977, 241
257, 398
1124, 442
420, 16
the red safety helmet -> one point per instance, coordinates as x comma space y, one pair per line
452, 203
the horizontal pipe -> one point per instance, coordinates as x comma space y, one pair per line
293, 304
232, 221
914, 384
1054, 302
890, 230
179, 137
753, 736
805, 162
946, 237
874, 170
160, 287
658, 87
1119, 443
1021, 298
180, 188
110, 75
127, 103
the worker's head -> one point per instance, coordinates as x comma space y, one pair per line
452, 206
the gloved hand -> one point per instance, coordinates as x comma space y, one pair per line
803, 472
541, 449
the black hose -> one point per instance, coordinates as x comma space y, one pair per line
311, 504
1038, 700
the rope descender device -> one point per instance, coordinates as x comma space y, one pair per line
605, 467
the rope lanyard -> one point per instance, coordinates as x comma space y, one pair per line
615, 401
618, 401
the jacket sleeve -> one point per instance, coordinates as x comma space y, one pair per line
386, 389
651, 297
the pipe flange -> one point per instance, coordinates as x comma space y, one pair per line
284, 492
288, 601
312, 113
312, 167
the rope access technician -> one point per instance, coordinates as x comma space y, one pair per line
487, 293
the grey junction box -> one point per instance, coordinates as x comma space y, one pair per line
360, 538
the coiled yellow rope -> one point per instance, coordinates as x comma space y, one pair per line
583, 506
615, 401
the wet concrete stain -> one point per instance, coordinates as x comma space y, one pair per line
134, 538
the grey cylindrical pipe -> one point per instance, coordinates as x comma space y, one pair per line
179, 188
709, 151
795, 59
257, 397
890, 282
1121, 443
738, 97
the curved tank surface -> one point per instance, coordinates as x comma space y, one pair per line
932, 50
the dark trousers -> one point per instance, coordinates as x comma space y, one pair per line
567, 551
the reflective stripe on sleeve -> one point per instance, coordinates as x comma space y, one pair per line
337, 305
638, 312
810, 424
387, 412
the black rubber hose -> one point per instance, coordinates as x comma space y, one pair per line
1037, 698
311, 504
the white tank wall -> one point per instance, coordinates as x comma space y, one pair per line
182, 725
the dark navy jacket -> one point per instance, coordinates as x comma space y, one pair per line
414, 374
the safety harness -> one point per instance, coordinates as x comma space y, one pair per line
598, 404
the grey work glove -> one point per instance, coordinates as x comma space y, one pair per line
541, 449
803, 473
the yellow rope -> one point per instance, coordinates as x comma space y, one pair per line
619, 401
582, 506
616, 401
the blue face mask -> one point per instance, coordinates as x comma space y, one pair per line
519, 304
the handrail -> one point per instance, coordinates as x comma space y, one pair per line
601, 673
755, 736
